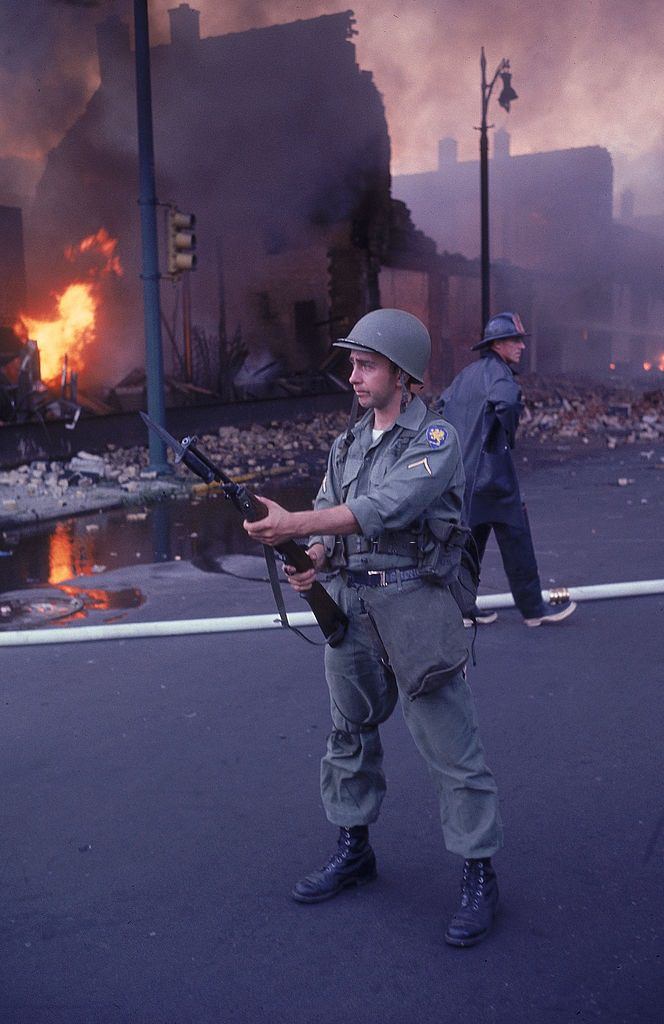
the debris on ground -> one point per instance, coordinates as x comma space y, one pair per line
564, 409
562, 412
117, 476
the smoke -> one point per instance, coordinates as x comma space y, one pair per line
47, 73
588, 72
643, 175
78, 3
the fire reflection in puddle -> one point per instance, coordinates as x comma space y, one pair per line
105, 600
200, 531
96, 600
68, 558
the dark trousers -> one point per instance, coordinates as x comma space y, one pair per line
516, 550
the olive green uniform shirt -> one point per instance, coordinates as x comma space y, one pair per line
409, 479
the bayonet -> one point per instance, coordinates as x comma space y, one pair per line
330, 617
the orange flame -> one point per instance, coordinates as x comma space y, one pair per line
74, 326
102, 244
61, 555
660, 362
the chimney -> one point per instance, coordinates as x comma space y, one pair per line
112, 49
501, 145
627, 205
185, 28
447, 152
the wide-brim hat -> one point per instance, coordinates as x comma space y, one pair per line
500, 327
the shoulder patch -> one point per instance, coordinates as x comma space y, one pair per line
436, 435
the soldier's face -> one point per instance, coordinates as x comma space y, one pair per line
510, 349
374, 380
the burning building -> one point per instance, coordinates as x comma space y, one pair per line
278, 142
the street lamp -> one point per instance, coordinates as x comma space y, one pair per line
506, 96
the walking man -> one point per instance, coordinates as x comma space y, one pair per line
385, 524
484, 403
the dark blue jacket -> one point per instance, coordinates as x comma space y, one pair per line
484, 403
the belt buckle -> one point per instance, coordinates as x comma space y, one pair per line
382, 582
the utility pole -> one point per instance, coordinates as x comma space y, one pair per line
186, 330
154, 362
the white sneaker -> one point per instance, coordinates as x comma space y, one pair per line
554, 613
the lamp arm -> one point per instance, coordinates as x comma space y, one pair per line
487, 89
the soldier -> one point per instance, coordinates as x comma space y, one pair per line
385, 523
484, 404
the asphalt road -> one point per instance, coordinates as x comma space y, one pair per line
160, 797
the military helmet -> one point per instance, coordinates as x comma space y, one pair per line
393, 333
500, 327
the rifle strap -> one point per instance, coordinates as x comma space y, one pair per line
352, 419
273, 574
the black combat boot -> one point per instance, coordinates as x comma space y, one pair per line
479, 900
354, 863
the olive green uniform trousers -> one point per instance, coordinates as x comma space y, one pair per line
415, 628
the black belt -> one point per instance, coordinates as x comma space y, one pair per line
388, 543
380, 577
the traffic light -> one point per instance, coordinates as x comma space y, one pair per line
181, 241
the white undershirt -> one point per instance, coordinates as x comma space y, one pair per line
375, 434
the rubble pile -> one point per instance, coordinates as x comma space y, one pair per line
566, 410
297, 447
48, 490
301, 446
122, 475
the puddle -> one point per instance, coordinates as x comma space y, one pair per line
204, 530
102, 601
105, 600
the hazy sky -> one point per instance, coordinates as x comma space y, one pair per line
588, 72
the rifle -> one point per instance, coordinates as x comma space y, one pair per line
330, 617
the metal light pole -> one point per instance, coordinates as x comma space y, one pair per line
154, 363
505, 98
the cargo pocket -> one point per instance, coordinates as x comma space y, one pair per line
432, 681
421, 630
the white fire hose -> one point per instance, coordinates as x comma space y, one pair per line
594, 592
239, 623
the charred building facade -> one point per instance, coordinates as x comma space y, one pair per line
596, 289
278, 142
12, 265
549, 211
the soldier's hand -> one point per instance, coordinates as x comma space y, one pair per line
274, 528
301, 581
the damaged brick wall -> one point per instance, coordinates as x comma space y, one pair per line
278, 142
